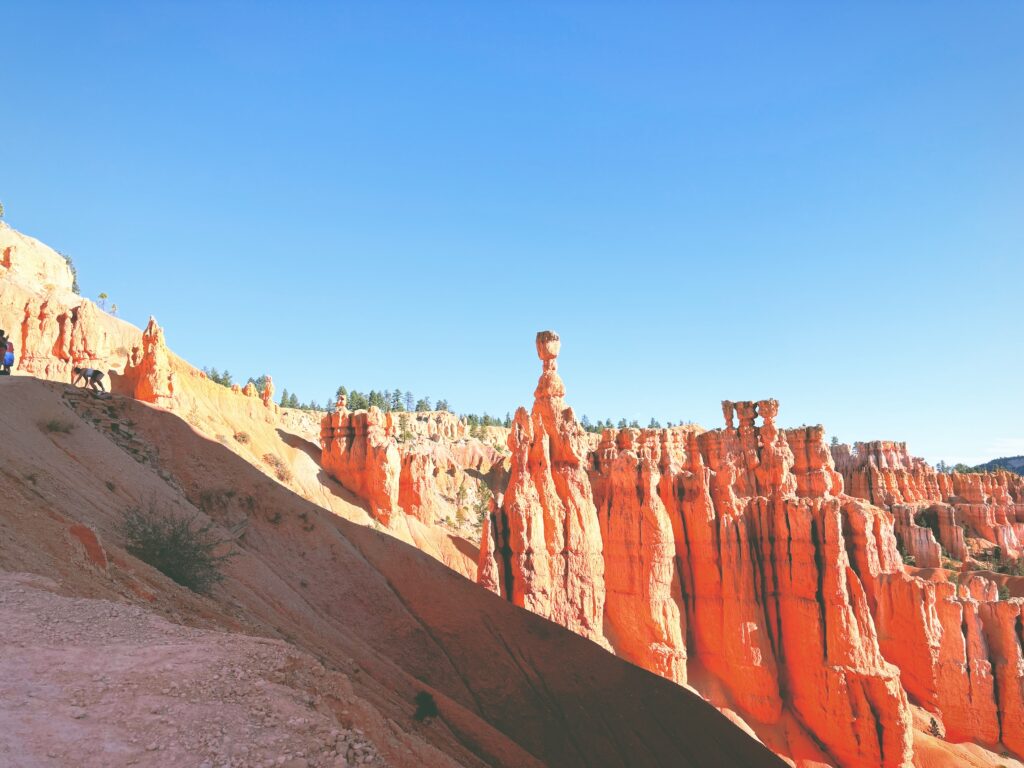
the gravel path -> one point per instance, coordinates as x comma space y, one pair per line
93, 683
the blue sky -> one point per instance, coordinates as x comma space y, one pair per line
818, 202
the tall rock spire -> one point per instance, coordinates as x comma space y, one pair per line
542, 549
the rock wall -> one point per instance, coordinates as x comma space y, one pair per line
739, 550
645, 618
426, 476
988, 505
53, 328
359, 450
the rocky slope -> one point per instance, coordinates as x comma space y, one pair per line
54, 330
355, 624
176, 696
737, 555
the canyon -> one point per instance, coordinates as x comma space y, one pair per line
738, 553
838, 605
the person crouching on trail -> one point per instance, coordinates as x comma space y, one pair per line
93, 378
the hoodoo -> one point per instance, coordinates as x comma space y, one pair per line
542, 549
735, 560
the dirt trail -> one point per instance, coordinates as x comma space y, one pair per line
93, 683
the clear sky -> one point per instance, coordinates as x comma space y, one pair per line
818, 202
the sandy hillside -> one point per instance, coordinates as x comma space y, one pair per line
306, 588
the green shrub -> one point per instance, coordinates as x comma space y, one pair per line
183, 549
56, 425
426, 707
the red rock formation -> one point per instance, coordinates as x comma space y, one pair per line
917, 541
644, 616
1003, 621
988, 504
25, 260
93, 550
359, 450
550, 555
419, 494
268, 392
424, 478
884, 473
727, 540
934, 633
54, 329
950, 534
797, 563
148, 376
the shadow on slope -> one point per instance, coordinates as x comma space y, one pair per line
507, 682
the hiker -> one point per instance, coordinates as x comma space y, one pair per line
93, 378
8, 357
3, 348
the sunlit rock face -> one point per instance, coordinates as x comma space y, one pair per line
739, 550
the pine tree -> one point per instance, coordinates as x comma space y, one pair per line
423, 404
442, 405
410, 403
293, 401
285, 399
404, 432
396, 400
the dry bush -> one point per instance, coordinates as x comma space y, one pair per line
242, 437
281, 471
183, 549
56, 425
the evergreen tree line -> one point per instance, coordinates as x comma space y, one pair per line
389, 400
225, 379
961, 468
396, 400
487, 420
599, 426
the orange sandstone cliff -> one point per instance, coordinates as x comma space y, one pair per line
734, 560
